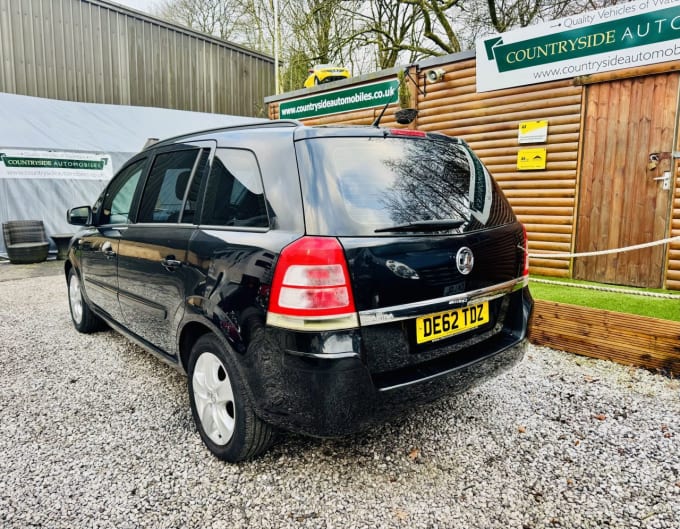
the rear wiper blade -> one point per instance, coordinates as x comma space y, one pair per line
425, 225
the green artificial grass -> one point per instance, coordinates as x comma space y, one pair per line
663, 308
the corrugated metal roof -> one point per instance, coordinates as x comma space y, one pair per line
100, 52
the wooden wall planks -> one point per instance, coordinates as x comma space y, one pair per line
623, 338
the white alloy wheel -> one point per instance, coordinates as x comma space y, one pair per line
75, 298
220, 405
214, 398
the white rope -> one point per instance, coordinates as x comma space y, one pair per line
607, 289
606, 252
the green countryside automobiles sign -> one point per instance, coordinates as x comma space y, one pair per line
55, 165
619, 36
354, 98
631, 32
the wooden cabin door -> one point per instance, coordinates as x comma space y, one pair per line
620, 203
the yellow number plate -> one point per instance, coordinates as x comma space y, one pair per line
443, 324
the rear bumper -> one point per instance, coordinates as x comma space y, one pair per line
342, 399
336, 394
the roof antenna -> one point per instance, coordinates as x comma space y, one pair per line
376, 123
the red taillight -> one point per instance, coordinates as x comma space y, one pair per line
525, 272
311, 279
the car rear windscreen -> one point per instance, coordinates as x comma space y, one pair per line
361, 186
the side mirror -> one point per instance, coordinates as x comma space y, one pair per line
81, 216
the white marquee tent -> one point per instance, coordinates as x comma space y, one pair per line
55, 155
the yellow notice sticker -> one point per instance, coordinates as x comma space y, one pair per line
532, 131
531, 159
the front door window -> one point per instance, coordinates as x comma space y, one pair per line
119, 195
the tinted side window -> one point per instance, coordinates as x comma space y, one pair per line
234, 196
118, 198
165, 188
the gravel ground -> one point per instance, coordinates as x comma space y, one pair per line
94, 432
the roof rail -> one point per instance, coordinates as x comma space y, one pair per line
253, 125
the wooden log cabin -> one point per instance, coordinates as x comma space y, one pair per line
597, 191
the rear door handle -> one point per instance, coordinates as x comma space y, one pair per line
170, 263
107, 250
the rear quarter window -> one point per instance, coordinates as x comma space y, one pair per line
235, 195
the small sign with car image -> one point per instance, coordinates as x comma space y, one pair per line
531, 159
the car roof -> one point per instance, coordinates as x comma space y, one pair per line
300, 131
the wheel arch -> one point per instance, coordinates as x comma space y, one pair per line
189, 335
68, 265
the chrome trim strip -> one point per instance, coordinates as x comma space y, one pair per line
116, 227
249, 229
410, 310
158, 225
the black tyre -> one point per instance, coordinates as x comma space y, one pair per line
84, 320
221, 408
